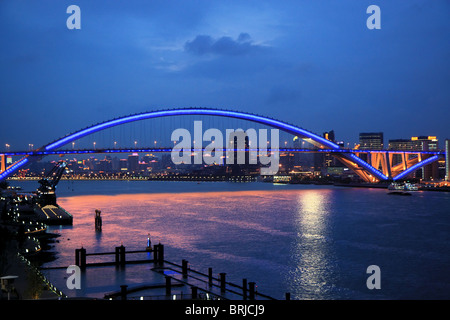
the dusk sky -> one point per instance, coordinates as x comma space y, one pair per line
310, 63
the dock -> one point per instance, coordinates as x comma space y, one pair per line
162, 279
52, 215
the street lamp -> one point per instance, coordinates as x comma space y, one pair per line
7, 147
94, 144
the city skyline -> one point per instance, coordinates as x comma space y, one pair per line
315, 65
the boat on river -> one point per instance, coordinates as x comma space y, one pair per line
403, 189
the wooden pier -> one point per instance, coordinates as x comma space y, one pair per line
190, 284
119, 256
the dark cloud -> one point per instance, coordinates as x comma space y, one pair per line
204, 44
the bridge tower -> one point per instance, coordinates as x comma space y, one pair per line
2, 163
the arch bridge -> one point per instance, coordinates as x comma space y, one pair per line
378, 167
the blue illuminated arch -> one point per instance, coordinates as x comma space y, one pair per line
198, 111
415, 167
13, 168
192, 111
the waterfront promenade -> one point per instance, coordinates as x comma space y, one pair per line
28, 284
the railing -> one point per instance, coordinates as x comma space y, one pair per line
137, 150
175, 275
120, 256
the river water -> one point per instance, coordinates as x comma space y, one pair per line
315, 242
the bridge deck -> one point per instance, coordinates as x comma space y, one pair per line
167, 149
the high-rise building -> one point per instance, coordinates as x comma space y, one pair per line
427, 143
371, 140
329, 135
2, 163
297, 145
133, 162
447, 159
123, 165
402, 144
115, 164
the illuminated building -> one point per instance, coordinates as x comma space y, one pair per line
133, 162
427, 143
123, 165
329, 135
371, 140
403, 144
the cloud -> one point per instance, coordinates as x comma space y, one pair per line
205, 44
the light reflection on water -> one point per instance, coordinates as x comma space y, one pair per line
185, 221
313, 241
311, 250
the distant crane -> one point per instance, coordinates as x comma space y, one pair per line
46, 192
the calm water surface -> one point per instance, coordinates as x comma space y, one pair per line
315, 242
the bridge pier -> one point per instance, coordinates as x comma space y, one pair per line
194, 291
123, 292
120, 256
184, 268
244, 289
252, 291
158, 253
168, 285
222, 281
80, 258
98, 220
210, 276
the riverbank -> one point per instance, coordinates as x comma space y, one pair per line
29, 284
21, 256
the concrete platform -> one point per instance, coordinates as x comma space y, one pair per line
52, 215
